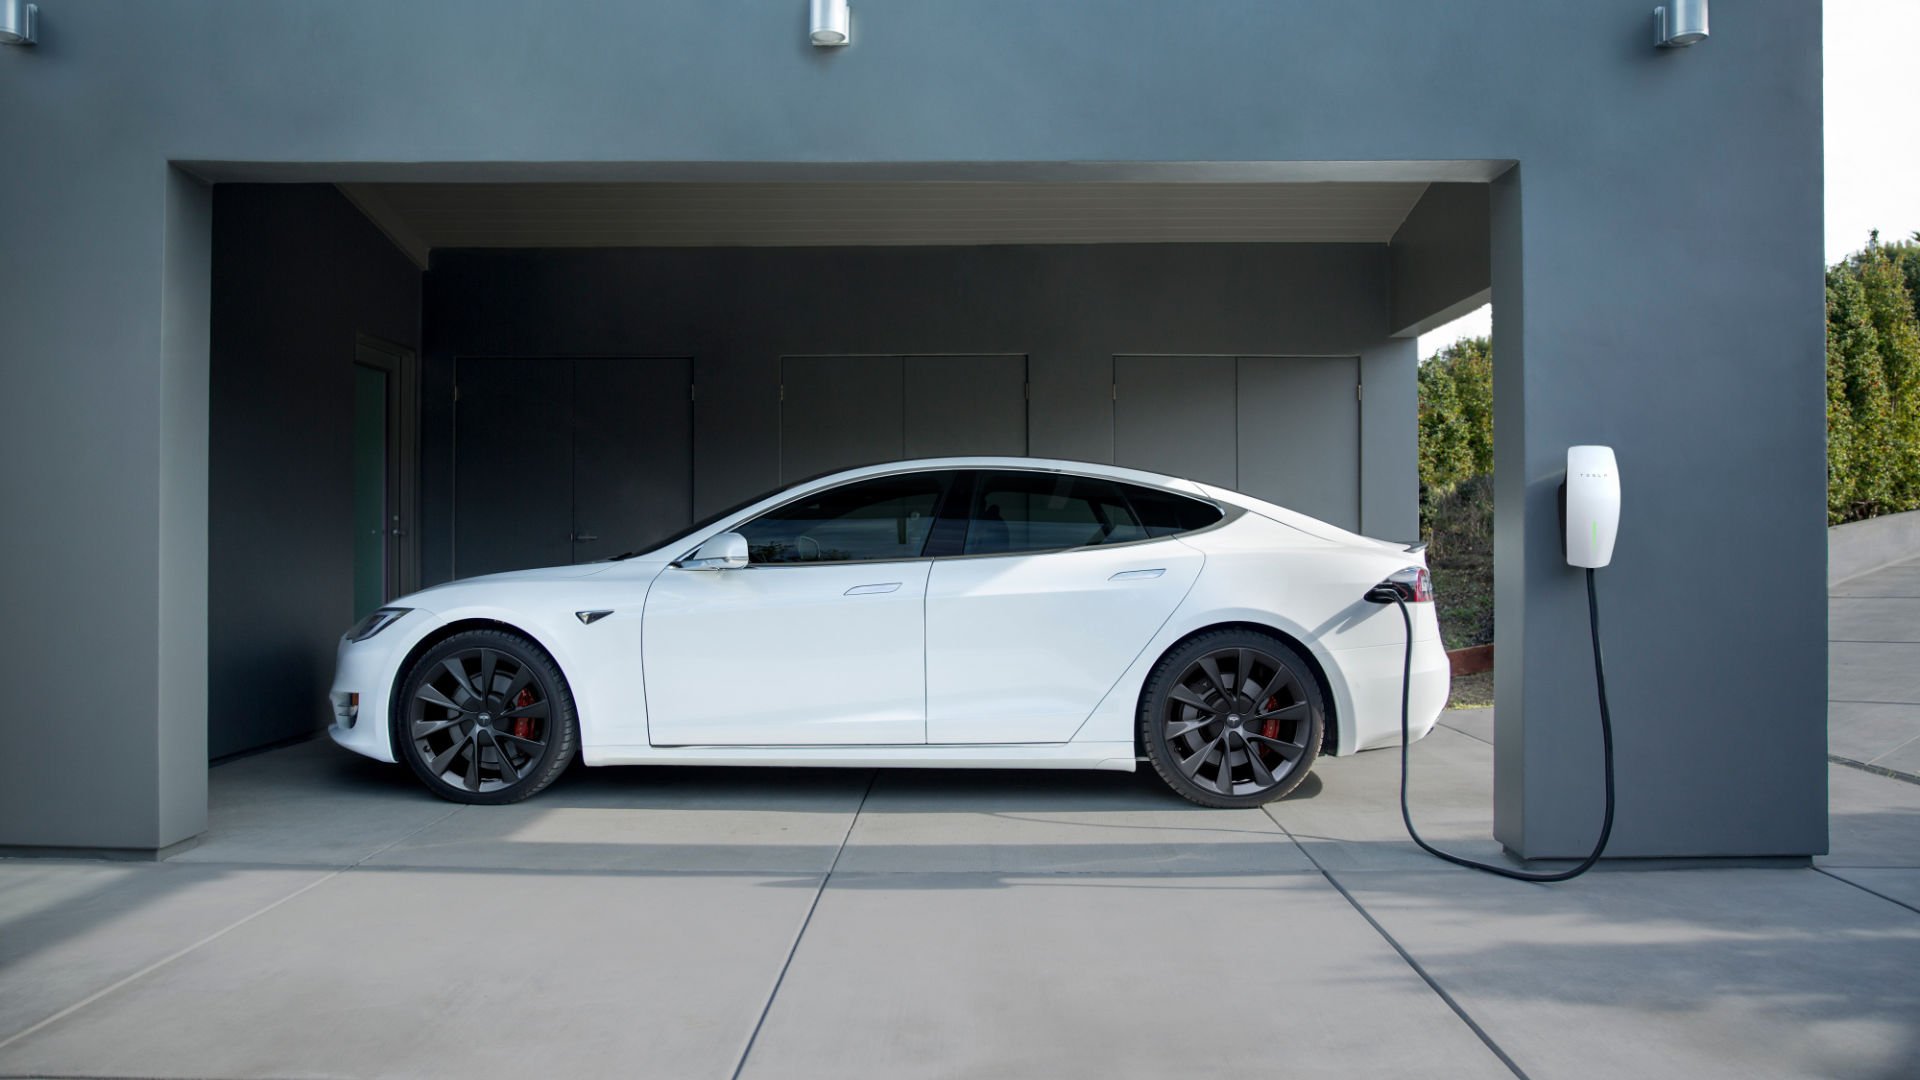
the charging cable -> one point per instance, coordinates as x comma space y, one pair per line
1606, 748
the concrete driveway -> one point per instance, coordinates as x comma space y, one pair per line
338, 921
1873, 670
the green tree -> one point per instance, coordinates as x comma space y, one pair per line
1855, 358
1905, 254
1842, 468
1889, 307
1471, 361
1456, 414
1443, 433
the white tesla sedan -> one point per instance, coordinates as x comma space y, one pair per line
952, 613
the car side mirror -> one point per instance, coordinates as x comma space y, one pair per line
728, 551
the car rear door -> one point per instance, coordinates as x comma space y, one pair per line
1054, 592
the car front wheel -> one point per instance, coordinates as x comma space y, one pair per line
485, 717
1232, 718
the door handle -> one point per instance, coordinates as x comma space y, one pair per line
1138, 575
868, 590
585, 538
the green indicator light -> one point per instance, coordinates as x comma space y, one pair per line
1596, 535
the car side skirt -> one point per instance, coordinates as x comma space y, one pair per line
1110, 756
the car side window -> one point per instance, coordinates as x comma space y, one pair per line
1033, 511
1163, 513
886, 517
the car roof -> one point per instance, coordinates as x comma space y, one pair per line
1024, 464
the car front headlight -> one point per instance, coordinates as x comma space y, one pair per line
375, 623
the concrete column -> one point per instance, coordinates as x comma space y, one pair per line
1712, 400
103, 327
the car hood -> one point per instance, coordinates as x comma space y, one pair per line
543, 573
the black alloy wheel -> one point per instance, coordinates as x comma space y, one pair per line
485, 717
1232, 718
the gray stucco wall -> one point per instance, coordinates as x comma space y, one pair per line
1656, 271
1070, 310
298, 273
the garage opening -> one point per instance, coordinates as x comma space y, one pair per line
530, 374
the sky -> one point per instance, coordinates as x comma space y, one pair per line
1872, 48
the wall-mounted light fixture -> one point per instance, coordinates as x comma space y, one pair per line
831, 23
19, 22
1680, 23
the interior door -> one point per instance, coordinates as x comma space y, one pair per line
958, 405
820, 640
632, 453
1022, 646
837, 412
562, 461
371, 577
513, 451
1299, 434
1176, 415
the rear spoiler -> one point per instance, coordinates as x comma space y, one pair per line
1415, 549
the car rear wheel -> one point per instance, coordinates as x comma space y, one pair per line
485, 717
1232, 718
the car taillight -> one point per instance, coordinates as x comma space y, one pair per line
1414, 584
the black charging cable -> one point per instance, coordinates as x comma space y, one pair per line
1606, 748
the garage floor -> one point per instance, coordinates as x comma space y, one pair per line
337, 921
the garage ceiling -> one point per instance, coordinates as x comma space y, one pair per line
421, 217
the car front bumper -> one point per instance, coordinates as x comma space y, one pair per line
363, 680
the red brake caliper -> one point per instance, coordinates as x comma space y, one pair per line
523, 726
1271, 728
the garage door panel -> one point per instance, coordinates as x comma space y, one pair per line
965, 405
512, 449
1299, 434
837, 412
1176, 415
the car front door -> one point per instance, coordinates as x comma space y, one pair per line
1057, 588
818, 641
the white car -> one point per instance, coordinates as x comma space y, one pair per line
949, 613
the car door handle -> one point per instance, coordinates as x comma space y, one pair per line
868, 590
1138, 575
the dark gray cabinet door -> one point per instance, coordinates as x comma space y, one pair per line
964, 405
632, 454
512, 454
837, 412
1300, 434
1176, 415
559, 461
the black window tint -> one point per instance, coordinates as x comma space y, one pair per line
887, 517
1021, 511
1164, 513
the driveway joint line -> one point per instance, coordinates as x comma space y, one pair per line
1877, 770
223, 931
1432, 983
747, 1051
1464, 731
1868, 891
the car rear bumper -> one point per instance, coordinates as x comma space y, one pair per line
1373, 677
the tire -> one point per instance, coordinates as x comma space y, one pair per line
457, 724
1232, 718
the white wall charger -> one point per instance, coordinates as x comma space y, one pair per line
1590, 509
